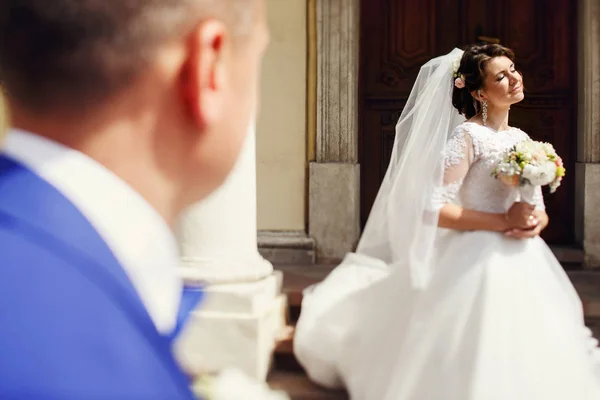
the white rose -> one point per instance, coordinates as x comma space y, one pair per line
526, 149
549, 149
540, 175
550, 168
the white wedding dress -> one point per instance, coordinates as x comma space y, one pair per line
499, 319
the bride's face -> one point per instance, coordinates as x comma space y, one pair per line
503, 84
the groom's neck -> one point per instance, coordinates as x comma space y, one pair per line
123, 140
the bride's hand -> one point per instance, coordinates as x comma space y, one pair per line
521, 216
542, 219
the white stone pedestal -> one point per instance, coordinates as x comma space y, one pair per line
243, 311
236, 326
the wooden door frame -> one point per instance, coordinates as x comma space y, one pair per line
338, 30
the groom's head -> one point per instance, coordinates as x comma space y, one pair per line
183, 73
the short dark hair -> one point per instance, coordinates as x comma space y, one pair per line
79, 52
472, 69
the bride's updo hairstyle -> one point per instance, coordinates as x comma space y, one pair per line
472, 73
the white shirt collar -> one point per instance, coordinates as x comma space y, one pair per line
138, 236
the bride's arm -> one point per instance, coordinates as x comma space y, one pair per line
458, 218
543, 219
461, 219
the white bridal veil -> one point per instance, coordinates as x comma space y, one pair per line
401, 227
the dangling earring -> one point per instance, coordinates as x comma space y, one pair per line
484, 112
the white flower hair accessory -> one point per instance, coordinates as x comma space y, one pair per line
456, 66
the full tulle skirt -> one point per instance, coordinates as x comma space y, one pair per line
499, 320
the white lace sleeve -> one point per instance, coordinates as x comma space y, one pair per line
458, 156
538, 199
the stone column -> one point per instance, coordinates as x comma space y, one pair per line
588, 143
334, 195
243, 311
217, 236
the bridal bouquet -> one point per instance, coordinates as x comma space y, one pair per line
529, 164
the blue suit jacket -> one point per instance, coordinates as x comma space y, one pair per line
71, 324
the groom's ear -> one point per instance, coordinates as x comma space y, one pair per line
204, 75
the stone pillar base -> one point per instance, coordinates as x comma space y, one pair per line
334, 209
588, 211
236, 326
286, 247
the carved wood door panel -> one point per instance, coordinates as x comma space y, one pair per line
399, 36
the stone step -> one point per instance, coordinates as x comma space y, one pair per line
285, 342
284, 358
299, 387
289, 376
297, 278
587, 284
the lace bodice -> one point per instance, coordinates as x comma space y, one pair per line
470, 156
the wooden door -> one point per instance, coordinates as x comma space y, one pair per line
399, 36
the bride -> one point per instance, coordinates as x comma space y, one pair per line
451, 294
